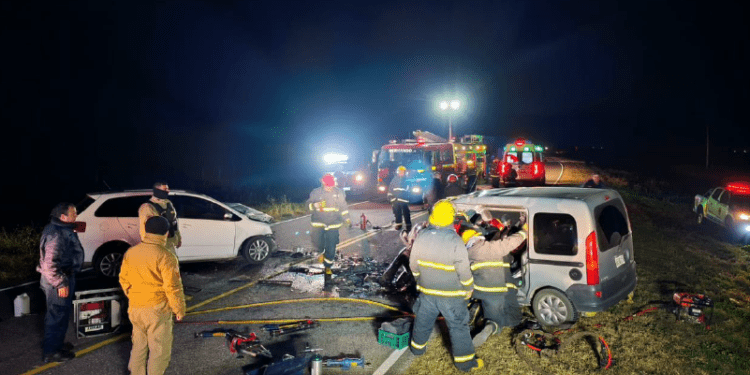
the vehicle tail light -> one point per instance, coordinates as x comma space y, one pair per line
537, 168
592, 260
80, 227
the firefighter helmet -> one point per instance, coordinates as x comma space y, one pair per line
443, 213
469, 234
328, 180
401, 169
452, 178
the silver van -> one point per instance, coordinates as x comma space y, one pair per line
579, 256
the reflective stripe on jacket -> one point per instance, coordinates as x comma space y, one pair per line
440, 263
333, 211
398, 192
490, 264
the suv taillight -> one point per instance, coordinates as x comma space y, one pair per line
592, 260
80, 227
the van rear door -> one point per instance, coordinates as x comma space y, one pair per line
614, 238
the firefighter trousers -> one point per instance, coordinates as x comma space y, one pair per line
152, 339
503, 309
401, 211
328, 240
426, 309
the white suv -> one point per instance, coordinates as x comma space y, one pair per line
108, 225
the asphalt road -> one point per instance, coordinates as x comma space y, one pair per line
226, 285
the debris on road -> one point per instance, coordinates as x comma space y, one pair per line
345, 362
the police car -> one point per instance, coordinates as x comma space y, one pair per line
728, 206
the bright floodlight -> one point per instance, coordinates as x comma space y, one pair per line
333, 158
455, 104
443, 105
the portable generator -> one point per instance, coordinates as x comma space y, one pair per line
693, 307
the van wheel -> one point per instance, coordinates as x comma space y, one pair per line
108, 260
256, 250
553, 308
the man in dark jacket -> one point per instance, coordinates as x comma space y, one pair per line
453, 187
60, 258
398, 195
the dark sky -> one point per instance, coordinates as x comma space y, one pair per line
250, 94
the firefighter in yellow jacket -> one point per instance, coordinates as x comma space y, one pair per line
160, 205
150, 278
329, 212
440, 264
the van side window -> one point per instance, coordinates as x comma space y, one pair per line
506, 215
555, 234
611, 224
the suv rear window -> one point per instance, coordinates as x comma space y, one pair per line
555, 234
121, 207
611, 224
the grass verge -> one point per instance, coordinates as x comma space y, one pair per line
19, 255
672, 253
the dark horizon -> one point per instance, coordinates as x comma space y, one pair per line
243, 98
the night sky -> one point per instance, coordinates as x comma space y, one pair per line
241, 99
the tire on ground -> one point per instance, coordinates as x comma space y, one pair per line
256, 249
553, 308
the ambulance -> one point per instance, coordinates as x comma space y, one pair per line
522, 163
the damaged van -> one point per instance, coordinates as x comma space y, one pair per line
579, 257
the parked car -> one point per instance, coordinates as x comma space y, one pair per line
728, 206
579, 256
211, 230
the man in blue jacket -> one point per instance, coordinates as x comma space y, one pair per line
60, 258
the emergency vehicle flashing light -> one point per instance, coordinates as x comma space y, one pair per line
739, 187
520, 142
744, 217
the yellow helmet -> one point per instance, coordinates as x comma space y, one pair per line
443, 213
468, 234
401, 168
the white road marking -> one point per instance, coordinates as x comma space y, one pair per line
390, 361
562, 169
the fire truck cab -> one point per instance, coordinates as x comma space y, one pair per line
437, 157
522, 163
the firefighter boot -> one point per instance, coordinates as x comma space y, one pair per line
490, 328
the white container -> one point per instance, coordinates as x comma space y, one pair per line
22, 305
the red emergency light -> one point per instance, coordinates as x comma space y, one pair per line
520, 142
739, 187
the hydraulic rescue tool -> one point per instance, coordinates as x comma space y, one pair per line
344, 363
239, 342
275, 330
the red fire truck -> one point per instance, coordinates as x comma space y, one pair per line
429, 160
522, 164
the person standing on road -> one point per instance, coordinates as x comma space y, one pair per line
440, 264
160, 205
60, 258
150, 279
398, 195
493, 283
452, 187
594, 182
329, 212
